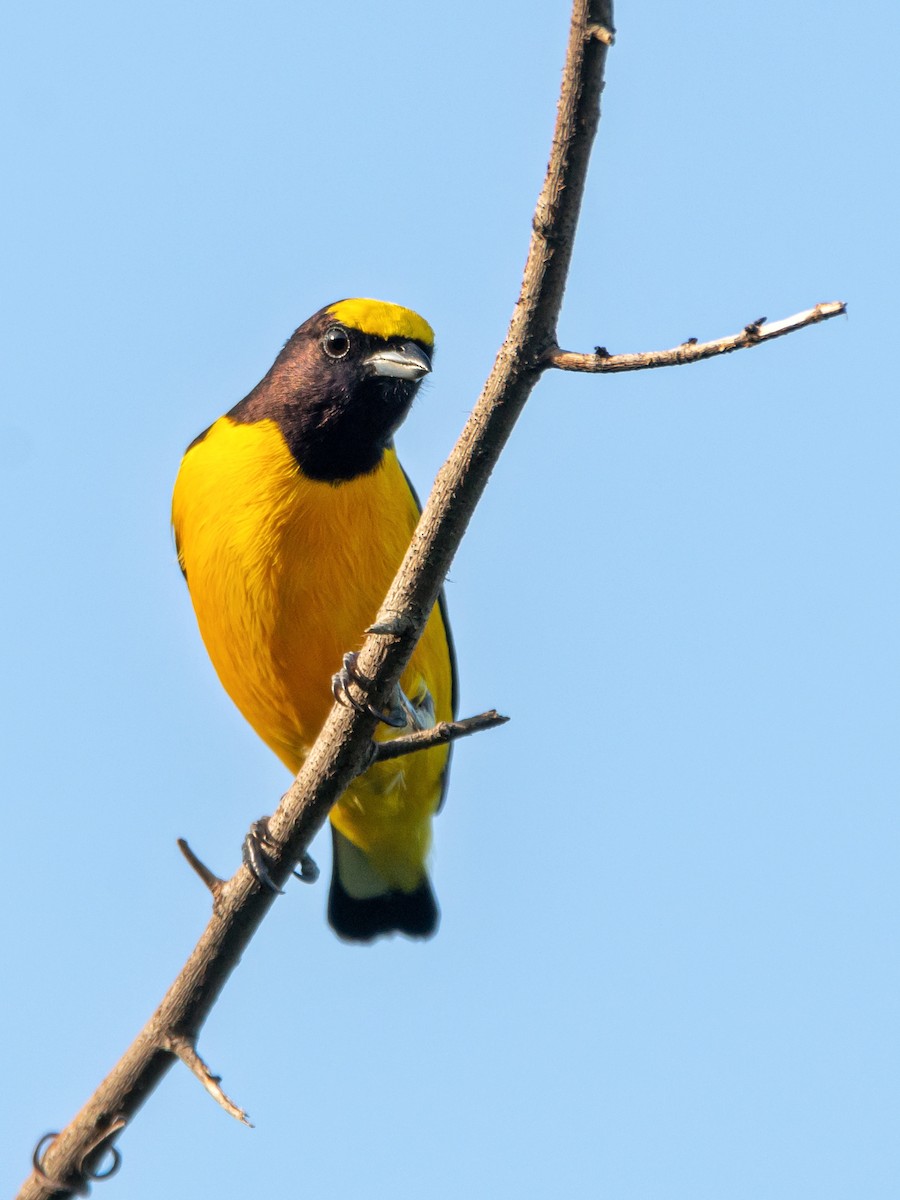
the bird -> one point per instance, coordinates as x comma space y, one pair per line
291, 515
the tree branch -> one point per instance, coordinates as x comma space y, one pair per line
438, 735
185, 1050
754, 334
343, 749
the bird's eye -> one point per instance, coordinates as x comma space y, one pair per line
336, 342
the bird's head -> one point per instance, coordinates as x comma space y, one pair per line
342, 384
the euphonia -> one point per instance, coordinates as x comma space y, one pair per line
291, 516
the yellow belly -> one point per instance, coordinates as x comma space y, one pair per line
285, 574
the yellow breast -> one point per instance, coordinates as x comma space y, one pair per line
285, 574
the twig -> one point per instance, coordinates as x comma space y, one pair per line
210, 878
438, 735
183, 1048
603, 363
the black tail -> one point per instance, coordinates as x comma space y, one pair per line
413, 913
361, 919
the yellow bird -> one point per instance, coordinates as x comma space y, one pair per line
291, 516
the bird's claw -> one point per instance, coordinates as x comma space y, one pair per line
340, 689
371, 755
309, 869
256, 858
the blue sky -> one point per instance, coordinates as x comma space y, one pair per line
667, 964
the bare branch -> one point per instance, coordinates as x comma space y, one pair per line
438, 735
754, 334
183, 1048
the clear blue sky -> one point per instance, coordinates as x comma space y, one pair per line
668, 960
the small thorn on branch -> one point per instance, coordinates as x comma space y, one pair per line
183, 1047
212, 881
393, 624
438, 735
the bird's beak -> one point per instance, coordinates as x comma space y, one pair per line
404, 362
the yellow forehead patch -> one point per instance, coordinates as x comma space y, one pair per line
383, 320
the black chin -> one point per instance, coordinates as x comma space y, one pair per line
337, 439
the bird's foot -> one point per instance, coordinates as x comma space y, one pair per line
340, 689
419, 711
257, 855
309, 869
